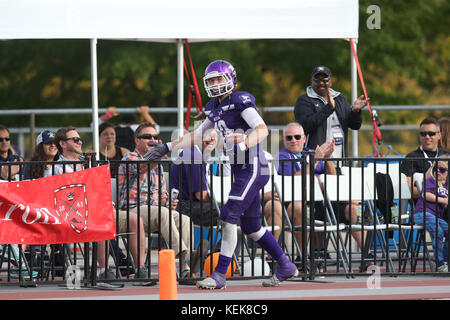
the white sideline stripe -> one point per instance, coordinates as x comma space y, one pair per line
277, 294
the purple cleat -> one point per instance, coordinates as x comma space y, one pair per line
217, 280
285, 271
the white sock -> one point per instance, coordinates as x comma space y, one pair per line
229, 239
255, 236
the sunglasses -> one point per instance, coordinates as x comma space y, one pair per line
317, 80
296, 136
4, 139
148, 136
442, 169
430, 133
74, 139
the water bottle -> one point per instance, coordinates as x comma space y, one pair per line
394, 211
308, 214
359, 214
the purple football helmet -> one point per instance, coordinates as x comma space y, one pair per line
220, 86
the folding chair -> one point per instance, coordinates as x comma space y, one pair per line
18, 259
404, 225
292, 190
362, 184
340, 188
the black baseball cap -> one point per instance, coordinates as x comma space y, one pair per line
321, 69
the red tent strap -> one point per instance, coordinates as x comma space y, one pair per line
376, 132
194, 92
194, 78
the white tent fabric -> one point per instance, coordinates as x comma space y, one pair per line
174, 20
178, 19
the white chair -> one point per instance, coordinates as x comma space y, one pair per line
347, 188
418, 180
402, 193
290, 188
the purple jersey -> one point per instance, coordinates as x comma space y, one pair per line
287, 171
226, 117
251, 174
442, 192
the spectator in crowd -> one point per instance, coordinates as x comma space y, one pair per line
7, 154
429, 135
194, 189
433, 205
294, 144
128, 125
45, 150
69, 144
326, 115
173, 225
444, 141
294, 140
109, 149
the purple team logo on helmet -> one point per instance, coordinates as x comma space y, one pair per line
220, 78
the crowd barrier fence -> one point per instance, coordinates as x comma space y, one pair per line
358, 219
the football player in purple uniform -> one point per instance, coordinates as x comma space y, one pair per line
235, 116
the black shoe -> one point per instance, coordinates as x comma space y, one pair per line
108, 274
125, 267
141, 273
325, 255
59, 264
299, 263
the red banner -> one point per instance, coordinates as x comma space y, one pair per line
66, 208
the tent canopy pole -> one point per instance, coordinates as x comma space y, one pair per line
94, 89
180, 76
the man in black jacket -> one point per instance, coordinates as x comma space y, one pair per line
429, 136
325, 114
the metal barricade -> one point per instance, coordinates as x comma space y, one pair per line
346, 228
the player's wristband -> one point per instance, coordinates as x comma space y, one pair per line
242, 146
108, 114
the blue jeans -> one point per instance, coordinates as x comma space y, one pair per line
440, 233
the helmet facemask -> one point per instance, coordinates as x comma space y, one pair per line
218, 89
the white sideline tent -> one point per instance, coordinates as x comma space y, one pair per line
176, 20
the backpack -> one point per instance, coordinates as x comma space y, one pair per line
385, 192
